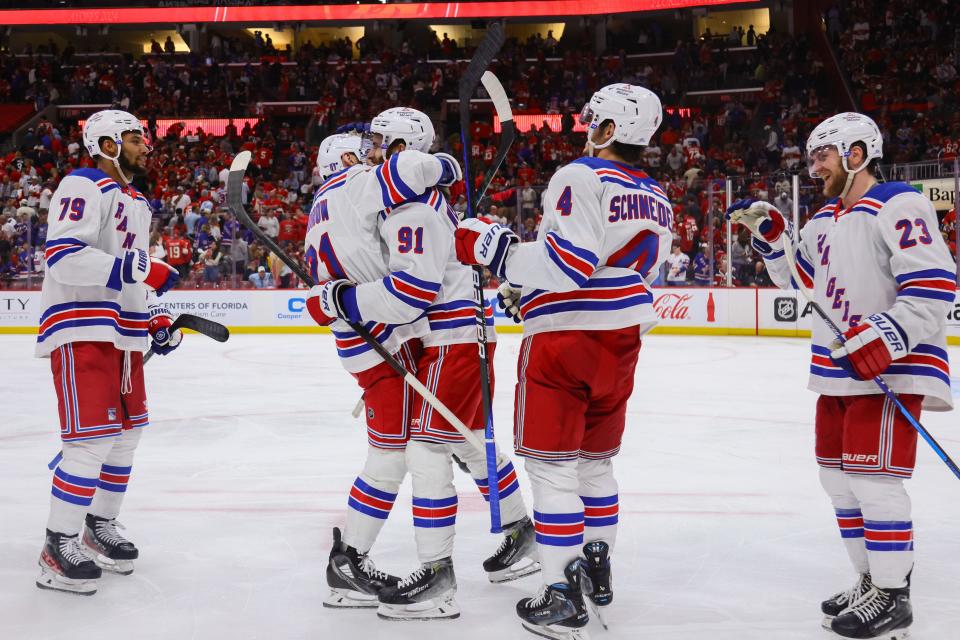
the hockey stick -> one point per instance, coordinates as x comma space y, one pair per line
508, 134
235, 204
472, 77
208, 328
791, 263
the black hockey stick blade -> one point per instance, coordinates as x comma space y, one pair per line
209, 328
484, 55
235, 204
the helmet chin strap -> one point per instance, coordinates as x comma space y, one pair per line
851, 174
116, 162
592, 146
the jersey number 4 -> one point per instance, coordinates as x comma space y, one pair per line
74, 206
565, 202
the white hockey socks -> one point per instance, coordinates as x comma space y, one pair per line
887, 528
115, 474
512, 507
601, 502
434, 499
372, 497
557, 515
849, 517
75, 483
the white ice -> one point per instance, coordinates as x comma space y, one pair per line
725, 533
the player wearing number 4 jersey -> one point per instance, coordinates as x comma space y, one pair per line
380, 242
97, 316
878, 267
606, 227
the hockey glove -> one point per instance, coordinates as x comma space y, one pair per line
333, 299
763, 220
868, 349
508, 299
451, 173
137, 267
480, 242
163, 341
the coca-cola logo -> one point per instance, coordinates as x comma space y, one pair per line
673, 306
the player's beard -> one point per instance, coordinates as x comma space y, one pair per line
834, 183
130, 168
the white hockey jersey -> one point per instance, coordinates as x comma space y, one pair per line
387, 229
606, 227
93, 222
881, 259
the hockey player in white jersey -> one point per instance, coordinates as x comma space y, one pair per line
97, 318
374, 269
605, 230
449, 367
878, 267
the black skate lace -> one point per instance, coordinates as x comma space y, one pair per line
73, 551
413, 577
872, 603
367, 566
107, 531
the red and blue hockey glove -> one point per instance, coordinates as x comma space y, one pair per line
138, 267
763, 220
508, 299
163, 341
333, 299
451, 172
480, 242
869, 348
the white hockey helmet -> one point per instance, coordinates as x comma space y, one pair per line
841, 132
407, 124
636, 113
329, 156
109, 123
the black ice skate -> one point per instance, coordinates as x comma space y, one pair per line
558, 612
353, 579
65, 567
517, 554
595, 579
881, 614
112, 552
426, 594
840, 602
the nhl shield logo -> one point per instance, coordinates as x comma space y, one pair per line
111, 414
370, 413
785, 309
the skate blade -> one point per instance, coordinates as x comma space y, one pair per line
598, 612
52, 581
446, 609
555, 632
825, 623
349, 599
120, 567
513, 572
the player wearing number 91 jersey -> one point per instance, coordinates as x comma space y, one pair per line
585, 306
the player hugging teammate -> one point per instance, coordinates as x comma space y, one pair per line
882, 273
581, 290
381, 245
99, 310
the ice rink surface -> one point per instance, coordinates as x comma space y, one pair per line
725, 533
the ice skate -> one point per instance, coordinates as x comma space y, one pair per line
558, 611
517, 554
353, 579
881, 614
110, 550
65, 567
426, 594
595, 578
840, 602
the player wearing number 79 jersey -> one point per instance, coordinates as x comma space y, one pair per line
585, 306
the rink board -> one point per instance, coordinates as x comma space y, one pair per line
687, 310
